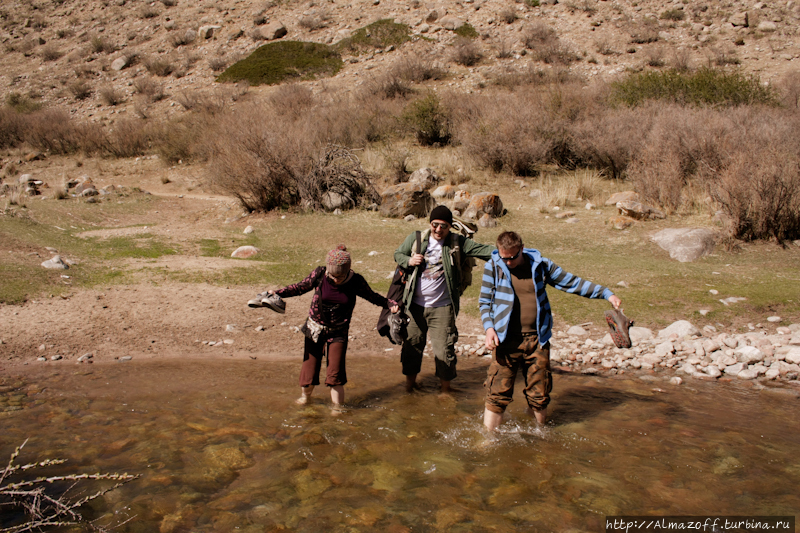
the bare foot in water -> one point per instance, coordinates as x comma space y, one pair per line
303, 400
337, 409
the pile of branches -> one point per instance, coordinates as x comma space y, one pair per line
337, 180
48, 501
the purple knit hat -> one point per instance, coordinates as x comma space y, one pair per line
338, 261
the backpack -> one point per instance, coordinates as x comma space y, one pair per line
465, 263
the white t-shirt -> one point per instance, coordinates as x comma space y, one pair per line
431, 289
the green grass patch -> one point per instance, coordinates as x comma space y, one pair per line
467, 31
210, 248
282, 61
704, 87
378, 35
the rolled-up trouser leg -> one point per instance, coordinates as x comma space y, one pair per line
536, 371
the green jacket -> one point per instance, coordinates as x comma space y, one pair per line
452, 273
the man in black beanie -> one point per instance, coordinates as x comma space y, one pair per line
432, 293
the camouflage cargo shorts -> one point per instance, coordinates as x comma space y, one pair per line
510, 357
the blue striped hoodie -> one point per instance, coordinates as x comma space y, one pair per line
497, 294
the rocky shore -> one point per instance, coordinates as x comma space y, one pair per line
681, 349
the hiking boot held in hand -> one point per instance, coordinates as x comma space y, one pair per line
619, 325
274, 302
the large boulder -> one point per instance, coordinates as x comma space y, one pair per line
444, 191
638, 210
484, 202
403, 199
451, 23
625, 196
686, 244
243, 252
207, 32
681, 328
272, 31
425, 177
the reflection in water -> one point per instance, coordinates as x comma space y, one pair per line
222, 447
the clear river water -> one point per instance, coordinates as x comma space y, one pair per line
221, 446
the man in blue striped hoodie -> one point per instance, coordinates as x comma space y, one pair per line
516, 315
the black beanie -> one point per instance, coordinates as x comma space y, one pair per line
441, 212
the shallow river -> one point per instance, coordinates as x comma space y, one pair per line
222, 447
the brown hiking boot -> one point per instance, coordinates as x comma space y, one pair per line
619, 325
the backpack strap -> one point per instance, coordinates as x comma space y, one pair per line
418, 242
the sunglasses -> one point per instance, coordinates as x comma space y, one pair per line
508, 259
438, 225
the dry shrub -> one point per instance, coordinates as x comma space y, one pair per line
546, 45
149, 88
258, 158
128, 138
508, 15
148, 12
336, 179
110, 96
503, 49
466, 52
389, 86
415, 69
759, 191
11, 127
292, 100
100, 45
512, 78
218, 64
51, 53
159, 66
654, 57
53, 130
505, 132
80, 89
184, 139
789, 90
538, 34
358, 121
610, 140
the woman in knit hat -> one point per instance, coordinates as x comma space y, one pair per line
335, 289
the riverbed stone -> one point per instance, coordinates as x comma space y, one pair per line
639, 334
792, 356
734, 369
243, 252
681, 328
577, 331
748, 373
748, 354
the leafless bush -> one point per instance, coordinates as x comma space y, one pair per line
760, 193
128, 138
292, 100
184, 139
645, 33
654, 57
722, 57
603, 47
159, 66
110, 96
681, 60
11, 127
512, 78
80, 89
504, 132
789, 89
415, 69
389, 86
218, 63
336, 179
609, 140
508, 15
466, 52
169, 3
179, 39
258, 159
503, 49
51, 501
150, 88
51, 53
355, 122
100, 45
538, 34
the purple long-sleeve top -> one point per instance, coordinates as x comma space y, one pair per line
332, 305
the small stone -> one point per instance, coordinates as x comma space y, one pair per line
125, 358
410, 218
773, 319
623, 284
714, 291
55, 357
259, 328
248, 230
227, 341
676, 380
230, 327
